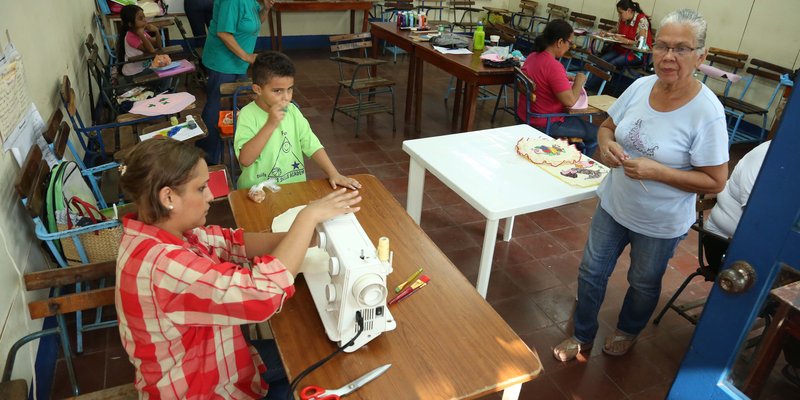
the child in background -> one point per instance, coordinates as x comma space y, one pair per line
137, 37
272, 137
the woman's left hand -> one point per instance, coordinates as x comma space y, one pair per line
343, 181
641, 168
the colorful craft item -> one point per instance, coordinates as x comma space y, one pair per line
548, 151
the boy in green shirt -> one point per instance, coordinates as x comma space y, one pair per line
272, 136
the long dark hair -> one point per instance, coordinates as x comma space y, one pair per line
630, 4
556, 30
128, 17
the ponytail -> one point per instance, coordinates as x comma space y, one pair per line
556, 30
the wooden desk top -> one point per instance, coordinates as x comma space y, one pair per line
789, 294
449, 343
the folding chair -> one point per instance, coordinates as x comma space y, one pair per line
710, 252
356, 78
737, 108
467, 22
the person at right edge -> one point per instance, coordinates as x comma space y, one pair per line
227, 54
665, 140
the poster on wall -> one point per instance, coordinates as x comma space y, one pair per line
20, 121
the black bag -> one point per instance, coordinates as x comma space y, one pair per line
451, 40
507, 63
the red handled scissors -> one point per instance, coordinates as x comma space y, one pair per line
318, 393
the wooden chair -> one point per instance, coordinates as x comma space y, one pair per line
467, 22
580, 51
524, 19
737, 108
729, 61
605, 24
350, 52
61, 305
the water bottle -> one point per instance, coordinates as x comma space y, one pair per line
478, 37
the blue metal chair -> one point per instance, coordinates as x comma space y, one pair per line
737, 108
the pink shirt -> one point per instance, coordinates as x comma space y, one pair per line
132, 44
550, 78
180, 302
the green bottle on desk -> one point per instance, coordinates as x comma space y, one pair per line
479, 37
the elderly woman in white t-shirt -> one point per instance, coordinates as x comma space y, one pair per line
665, 140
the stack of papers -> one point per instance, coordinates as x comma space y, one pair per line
445, 50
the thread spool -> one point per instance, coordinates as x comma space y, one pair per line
383, 249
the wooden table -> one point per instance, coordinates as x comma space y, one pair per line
484, 168
785, 324
468, 70
449, 343
281, 6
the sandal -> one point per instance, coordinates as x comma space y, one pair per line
790, 373
619, 344
569, 349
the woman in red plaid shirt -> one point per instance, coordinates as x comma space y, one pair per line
184, 288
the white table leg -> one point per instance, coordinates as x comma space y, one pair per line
416, 183
508, 229
485, 269
512, 392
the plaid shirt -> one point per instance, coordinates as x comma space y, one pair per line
180, 302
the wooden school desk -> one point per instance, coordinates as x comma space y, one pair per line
449, 343
316, 5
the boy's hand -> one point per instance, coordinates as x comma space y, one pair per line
341, 180
334, 204
276, 113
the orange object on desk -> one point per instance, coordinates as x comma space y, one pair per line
225, 123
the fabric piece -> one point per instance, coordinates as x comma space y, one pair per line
550, 78
583, 101
316, 260
282, 157
694, 135
239, 18
163, 104
132, 44
180, 302
725, 215
715, 72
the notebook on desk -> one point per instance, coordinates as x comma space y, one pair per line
602, 102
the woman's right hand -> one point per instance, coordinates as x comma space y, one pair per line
612, 154
250, 58
334, 204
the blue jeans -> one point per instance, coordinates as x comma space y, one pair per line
576, 127
211, 144
649, 257
275, 375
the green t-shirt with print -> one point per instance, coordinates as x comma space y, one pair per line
282, 157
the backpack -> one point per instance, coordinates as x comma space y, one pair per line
66, 182
451, 40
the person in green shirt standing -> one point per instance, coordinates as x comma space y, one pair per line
228, 52
272, 137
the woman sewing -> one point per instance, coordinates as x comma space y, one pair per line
184, 288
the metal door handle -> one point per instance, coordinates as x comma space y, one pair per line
738, 278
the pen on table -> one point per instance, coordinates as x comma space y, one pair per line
421, 281
407, 281
412, 292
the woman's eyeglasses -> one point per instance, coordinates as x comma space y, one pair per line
680, 51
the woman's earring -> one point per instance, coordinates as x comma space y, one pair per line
170, 207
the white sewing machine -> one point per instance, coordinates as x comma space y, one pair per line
355, 281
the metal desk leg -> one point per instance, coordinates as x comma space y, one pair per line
416, 183
512, 392
485, 269
508, 229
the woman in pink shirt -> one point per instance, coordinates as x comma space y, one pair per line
554, 91
183, 288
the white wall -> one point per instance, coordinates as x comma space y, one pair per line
764, 29
49, 35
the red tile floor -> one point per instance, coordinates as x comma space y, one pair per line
534, 275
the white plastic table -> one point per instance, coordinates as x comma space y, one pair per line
485, 170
